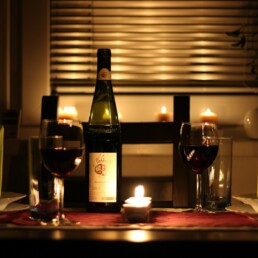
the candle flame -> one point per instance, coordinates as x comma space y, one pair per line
67, 112
208, 112
163, 110
209, 116
139, 191
138, 200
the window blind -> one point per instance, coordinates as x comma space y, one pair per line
157, 46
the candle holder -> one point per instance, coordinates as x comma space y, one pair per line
163, 117
136, 213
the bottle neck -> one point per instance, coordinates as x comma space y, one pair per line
104, 68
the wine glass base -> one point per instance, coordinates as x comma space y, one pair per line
202, 210
64, 222
58, 221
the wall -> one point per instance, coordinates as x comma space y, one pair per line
245, 167
230, 109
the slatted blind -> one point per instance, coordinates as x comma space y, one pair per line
156, 45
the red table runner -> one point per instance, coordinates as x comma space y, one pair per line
158, 219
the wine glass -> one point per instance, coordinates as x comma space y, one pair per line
198, 147
61, 143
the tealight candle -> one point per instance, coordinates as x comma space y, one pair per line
164, 116
136, 209
209, 116
138, 199
67, 113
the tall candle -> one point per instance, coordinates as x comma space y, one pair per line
209, 116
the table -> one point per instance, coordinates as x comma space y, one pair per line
128, 240
118, 243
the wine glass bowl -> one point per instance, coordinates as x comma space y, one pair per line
62, 146
198, 147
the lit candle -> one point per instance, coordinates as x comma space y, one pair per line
69, 113
136, 209
138, 199
208, 116
164, 116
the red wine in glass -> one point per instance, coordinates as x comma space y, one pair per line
61, 144
62, 161
198, 158
198, 148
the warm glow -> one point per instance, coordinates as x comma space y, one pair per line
57, 187
139, 191
163, 110
137, 208
68, 112
120, 116
77, 161
164, 116
138, 235
208, 116
106, 115
138, 200
208, 112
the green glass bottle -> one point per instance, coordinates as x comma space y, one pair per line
103, 143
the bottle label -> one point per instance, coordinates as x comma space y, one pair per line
102, 177
104, 74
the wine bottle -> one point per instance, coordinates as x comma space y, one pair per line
103, 143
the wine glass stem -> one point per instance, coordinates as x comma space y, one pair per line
198, 206
60, 195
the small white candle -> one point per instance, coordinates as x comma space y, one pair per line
136, 209
138, 200
208, 116
67, 112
